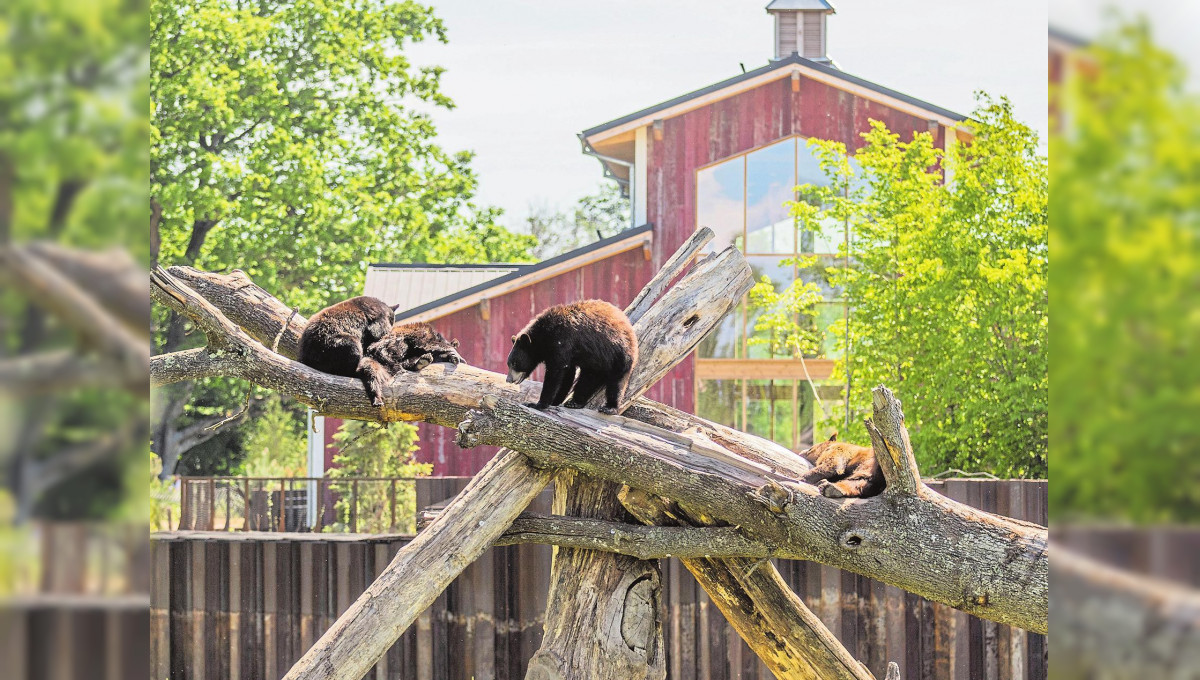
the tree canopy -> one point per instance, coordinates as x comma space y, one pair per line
293, 140
73, 167
1125, 388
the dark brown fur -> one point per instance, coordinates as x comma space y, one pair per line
335, 337
844, 470
409, 347
592, 337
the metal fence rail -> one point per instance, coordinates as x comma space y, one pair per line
316, 504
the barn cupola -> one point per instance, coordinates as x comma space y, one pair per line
800, 28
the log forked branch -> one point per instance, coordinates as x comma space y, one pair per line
828, 537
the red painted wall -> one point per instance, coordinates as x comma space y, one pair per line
689, 141
486, 344
743, 122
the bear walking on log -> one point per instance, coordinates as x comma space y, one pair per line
335, 337
844, 470
409, 347
591, 337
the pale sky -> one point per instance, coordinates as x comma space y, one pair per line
529, 75
1174, 23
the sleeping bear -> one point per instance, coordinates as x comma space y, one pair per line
409, 347
843, 470
592, 338
335, 337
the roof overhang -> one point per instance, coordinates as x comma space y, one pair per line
527, 275
615, 139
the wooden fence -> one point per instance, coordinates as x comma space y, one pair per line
81, 604
246, 605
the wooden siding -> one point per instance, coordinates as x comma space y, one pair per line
246, 606
486, 344
746, 121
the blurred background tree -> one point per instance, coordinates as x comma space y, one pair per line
946, 287
289, 140
73, 165
594, 217
375, 450
1125, 388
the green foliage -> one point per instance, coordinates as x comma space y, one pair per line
73, 167
292, 140
164, 501
1125, 384
289, 142
374, 450
946, 287
594, 217
786, 324
275, 442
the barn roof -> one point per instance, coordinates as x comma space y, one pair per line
482, 282
413, 285
786, 5
614, 139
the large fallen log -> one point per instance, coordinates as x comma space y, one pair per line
698, 464
671, 334
602, 618
986, 565
1112, 624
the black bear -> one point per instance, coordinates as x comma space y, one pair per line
335, 337
408, 346
842, 470
591, 337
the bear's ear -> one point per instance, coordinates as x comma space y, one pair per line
524, 337
454, 343
833, 437
514, 339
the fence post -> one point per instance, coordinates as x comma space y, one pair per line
392, 502
282, 493
354, 507
212, 504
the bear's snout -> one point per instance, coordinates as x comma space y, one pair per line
517, 377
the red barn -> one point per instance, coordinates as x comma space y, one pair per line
727, 156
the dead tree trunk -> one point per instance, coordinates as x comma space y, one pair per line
602, 613
910, 536
1111, 624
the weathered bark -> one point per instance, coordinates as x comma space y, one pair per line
975, 561
422, 570
635, 540
990, 566
774, 622
602, 614
1110, 624
983, 564
263, 317
633, 638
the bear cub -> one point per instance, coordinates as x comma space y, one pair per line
409, 347
843, 470
592, 338
335, 337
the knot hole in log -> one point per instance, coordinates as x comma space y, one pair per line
691, 321
854, 539
639, 619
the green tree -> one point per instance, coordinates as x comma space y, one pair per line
291, 140
275, 442
946, 287
1125, 384
374, 450
73, 167
595, 216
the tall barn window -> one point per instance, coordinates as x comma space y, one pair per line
740, 383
